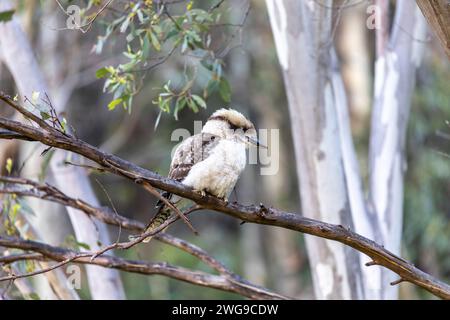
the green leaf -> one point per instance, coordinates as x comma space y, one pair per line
194, 36
179, 105
158, 119
210, 88
173, 32
6, 15
200, 53
125, 25
164, 104
192, 105
14, 210
199, 101
35, 97
155, 41
145, 48
157, 29
83, 245
102, 72
29, 266
34, 296
45, 115
64, 125
99, 45
45, 164
71, 242
225, 90
9, 165
130, 37
140, 16
113, 104
185, 44
119, 92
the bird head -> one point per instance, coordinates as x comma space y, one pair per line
231, 124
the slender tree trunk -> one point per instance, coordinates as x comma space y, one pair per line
251, 235
17, 53
353, 47
282, 246
395, 68
303, 33
330, 181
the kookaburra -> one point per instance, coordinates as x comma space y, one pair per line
211, 161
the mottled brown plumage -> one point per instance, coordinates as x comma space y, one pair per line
193, 150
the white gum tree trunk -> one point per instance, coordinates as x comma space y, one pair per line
18, 57
303, 37
330, 182
395, 69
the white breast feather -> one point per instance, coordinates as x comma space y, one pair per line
218, 173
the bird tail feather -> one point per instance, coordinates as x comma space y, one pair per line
160, 217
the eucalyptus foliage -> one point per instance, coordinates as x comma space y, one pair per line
154, 32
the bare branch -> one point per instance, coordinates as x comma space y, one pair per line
88, 25
154, 192
65, 256
20, 257
105, 214
41, 271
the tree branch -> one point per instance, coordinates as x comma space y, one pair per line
104, 214
63, 256
249, 213
29, 188
437, 14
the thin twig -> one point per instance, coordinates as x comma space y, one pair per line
41, 271
89, 24
154, 192
19, 257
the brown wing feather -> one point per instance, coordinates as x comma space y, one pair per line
191, 151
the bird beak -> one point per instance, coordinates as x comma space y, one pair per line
255, 142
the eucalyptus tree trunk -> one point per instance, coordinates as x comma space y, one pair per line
330, 182
303, 37
17, 55
398, 56
251, 235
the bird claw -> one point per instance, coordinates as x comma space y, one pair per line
201, 192
224, 199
